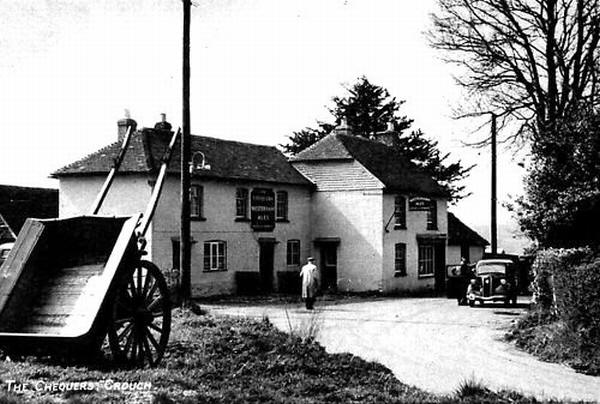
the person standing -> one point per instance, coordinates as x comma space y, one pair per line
310, 282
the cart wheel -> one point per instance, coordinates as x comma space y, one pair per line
140, 322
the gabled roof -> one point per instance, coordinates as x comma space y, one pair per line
227, 159
459, 233
394, 171
19, 203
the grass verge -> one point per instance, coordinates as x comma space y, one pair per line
230, 360
551, 340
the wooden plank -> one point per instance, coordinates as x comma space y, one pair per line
20, 254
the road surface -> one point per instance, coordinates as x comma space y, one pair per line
430, 343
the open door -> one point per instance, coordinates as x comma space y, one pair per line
328, 263
266, 266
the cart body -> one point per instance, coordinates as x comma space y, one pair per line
58, 280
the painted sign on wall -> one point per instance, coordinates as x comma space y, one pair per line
419, 204
262, 209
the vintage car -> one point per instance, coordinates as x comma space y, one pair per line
495, 280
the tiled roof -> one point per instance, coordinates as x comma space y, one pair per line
459, 233
396, 173
19, 203
227, 159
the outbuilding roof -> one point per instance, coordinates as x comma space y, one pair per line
459, 233
19, 203
396, 172
227, 159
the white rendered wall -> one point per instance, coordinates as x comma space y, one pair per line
220, 224
416, 223
355, 218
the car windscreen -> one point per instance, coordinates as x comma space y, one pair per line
491, 269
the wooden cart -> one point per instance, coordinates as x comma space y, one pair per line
69, 283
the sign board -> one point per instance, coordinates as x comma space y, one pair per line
419, 204
262, 209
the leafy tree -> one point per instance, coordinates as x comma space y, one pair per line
369, 109
561, 207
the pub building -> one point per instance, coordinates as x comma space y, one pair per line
373, 221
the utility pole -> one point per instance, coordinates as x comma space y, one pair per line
185, 239
494, 229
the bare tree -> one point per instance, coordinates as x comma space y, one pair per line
529, 61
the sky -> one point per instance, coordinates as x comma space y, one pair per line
260, 69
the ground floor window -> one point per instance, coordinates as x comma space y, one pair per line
215, 255
426, 260
400, 259
293, 252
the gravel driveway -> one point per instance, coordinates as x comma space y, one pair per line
430, 342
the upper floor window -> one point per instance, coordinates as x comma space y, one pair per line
281, 210
400, 212
400, 259
293, 252
197, 201
432, 216
215, 255
241, 203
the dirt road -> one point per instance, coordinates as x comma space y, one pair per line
431, 343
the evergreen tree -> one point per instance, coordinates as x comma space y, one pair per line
368, 109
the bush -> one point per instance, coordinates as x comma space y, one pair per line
577, 291
565, 324
548, 263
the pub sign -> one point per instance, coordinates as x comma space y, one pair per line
262, 209
419, 204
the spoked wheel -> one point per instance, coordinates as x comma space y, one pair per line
140, 321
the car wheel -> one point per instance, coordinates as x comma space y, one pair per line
471, 303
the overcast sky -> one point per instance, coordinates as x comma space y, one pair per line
260, 70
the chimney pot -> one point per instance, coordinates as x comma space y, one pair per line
343, 128
388, 137
123, 124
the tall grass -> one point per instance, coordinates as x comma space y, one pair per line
308, 328
471, 388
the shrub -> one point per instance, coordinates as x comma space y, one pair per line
577, 291
471, 388
548, 263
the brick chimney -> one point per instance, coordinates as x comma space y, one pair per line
343, 128
388, 137
163, 124
123, 124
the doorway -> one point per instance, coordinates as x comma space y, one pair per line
265, 266
440, 267
329, 267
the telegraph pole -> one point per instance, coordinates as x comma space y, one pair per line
185, 242
494, 229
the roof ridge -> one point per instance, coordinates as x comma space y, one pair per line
233, 141
27, 188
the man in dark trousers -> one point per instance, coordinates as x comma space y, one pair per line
310, 282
